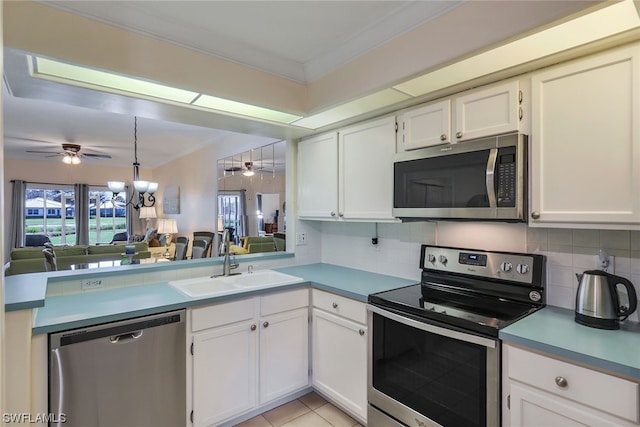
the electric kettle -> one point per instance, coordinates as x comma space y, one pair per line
598, 301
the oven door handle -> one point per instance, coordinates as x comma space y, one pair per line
490, 175
427, 327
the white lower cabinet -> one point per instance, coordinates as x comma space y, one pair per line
548, 392
339, 351
247, 353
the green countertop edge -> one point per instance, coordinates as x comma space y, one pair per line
553, 330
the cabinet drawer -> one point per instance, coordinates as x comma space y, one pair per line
284, 301
342, 306
222, 314
605, 392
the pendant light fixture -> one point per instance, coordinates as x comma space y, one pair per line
145, 189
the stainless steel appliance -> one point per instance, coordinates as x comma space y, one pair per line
483, 179
598, 300
127, 374
434, 352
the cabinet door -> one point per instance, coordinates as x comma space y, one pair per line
532, 407
224, 372
339, 360
318, 177
585, 144
488, 111
426, 126
284, 353
366, 170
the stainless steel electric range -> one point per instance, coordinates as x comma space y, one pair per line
434, 352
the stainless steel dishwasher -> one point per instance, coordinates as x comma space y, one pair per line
127, 374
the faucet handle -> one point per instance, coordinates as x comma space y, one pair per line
250, 269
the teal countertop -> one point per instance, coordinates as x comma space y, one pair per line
89, 308
552, 330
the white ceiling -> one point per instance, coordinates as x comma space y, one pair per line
299, 40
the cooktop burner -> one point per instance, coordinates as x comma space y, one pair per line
472, 290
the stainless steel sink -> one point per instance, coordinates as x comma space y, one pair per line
224, 285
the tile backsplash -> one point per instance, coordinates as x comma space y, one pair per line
568, 251
572, 251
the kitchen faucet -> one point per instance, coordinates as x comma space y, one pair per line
227, 266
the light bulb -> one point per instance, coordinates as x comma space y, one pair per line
66, 160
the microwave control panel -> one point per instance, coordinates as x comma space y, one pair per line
506, 178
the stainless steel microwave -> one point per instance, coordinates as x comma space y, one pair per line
483, 179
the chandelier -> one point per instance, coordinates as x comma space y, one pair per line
144, 189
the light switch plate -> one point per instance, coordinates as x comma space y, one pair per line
88, 284
301, 239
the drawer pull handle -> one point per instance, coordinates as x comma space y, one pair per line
254, 327
334, 305
265, 324
561, 382
361, 332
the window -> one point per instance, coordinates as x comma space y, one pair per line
107, 216
232, 212
43, 214
50, 210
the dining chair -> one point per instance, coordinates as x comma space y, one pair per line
50, 262
199, 248
208, 236
181, 248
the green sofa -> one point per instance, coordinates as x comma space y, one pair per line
31, 259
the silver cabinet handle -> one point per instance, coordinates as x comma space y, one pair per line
561, 382
458, 134
333, 213
340, 214
254, 327
265, 324
334, 305
535, 214
443, 137
361, 332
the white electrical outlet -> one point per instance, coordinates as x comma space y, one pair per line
87, 284
301, 239
609, 261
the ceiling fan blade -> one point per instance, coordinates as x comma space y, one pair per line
101, 156
44, 152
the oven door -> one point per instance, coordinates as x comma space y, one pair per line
426, 375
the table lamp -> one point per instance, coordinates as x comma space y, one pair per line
167, 226
147, 212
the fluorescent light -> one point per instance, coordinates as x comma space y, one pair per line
47, 67
61, 72
383, 98
242, 109
605, 22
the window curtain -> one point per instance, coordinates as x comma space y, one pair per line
18, 212
81, 197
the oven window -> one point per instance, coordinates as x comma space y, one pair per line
441, 378
454, 181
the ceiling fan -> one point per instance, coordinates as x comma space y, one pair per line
71, 154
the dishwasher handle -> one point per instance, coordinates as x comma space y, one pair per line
123, 338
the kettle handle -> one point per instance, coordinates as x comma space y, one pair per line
631, 292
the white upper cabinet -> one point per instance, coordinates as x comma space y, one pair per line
490, 111
473, 114
426, 126
318, 177
348, 175
585, 144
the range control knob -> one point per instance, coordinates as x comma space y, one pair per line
506, 266
431, 258
522, 268
443, 259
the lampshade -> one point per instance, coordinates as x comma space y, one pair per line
115, 186
167, 226
147, 212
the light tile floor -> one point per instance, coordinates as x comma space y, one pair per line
310, 410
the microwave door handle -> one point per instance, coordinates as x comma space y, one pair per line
490, 174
